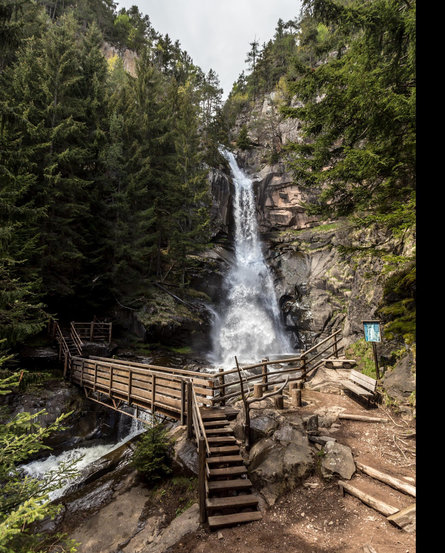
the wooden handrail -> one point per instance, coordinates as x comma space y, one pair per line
76, 338
306, 365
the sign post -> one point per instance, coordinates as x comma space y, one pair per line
373, 335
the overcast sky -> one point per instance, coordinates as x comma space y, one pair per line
216, 33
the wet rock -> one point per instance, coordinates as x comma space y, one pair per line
185, 453
400, 382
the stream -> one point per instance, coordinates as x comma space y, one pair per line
85, 456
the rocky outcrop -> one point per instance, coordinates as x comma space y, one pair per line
89, 423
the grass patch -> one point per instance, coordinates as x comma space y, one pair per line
361, 351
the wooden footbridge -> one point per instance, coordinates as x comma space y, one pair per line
199, 400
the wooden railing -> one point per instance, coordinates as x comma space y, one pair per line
157, 389
94, 331
228, 382
76, 338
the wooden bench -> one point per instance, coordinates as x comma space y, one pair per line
339, 363
361, 384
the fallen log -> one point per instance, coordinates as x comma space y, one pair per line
373, 502
364, 418
387, 479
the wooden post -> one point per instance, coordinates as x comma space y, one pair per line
153, 393
376, 360
257, 390
65, 366
95, 376
202, 480
189, 411
111, 381
264, 373
81, 372
246, 407
110, 327
335, 347
296, 397
91, 330
182, 418
279, 400
303, 368
222, 391
130, 379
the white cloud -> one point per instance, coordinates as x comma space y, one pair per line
217, 33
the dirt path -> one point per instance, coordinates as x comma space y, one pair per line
316, 517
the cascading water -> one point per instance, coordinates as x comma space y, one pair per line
249, 325
83, 456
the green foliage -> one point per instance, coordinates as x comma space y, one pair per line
153, 454
361, 351
398, 306
243, 142
358, 113
25, 501
104, 174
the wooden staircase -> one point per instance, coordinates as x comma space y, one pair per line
229, 497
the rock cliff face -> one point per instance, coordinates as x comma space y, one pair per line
319, 289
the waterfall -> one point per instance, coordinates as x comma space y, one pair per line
249, 325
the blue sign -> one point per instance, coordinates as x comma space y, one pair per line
372, 331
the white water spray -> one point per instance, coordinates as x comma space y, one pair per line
249, 326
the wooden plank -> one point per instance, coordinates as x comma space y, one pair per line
369, 500
236, 484
396, 483
405, 518
223, 430
356, 389
363, 379
364, 418
245, 500
228, 471
224, 450
237, 518
225, 459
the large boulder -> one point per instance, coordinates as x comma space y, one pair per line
281, 460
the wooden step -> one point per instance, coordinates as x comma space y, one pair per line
233, 502
221, 439
227, 471
224, 485
224, 459
215, 412
223, 430
224, 450
213, 415
215, 423
237, 518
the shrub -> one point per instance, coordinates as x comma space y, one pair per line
152, 457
